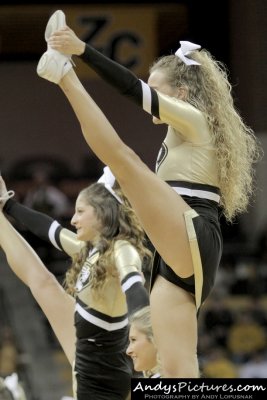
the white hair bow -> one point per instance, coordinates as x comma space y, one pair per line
185, 49
108, 179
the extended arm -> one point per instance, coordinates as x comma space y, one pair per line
57, 305
43, 226
180, 115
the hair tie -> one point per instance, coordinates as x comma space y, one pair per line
108, 179
185, 49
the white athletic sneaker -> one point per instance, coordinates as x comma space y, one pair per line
55, 22
53, 66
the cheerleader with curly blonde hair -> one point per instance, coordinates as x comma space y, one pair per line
205, 167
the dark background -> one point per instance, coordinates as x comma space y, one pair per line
37, 127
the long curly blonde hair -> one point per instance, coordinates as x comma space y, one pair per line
118, 222
237, 148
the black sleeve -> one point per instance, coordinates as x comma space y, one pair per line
122, 79
136, 294
38, 223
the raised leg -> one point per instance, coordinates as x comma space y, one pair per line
159, 208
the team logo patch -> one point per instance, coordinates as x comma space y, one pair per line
84, 276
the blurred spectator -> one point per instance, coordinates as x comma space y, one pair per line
54, 167
261, 253
217, 319
11, 388
258, 309
8, 353
256, 367
261, 250
245, 337
43, 196
248, 280
224, 278
218, 365
206, 344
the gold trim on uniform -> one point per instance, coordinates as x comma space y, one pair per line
197, 264
69, 242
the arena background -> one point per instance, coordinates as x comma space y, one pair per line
39, 130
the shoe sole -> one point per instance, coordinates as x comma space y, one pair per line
45, 65
55, 22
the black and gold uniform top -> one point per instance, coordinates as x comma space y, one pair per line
98, 315
187, 159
